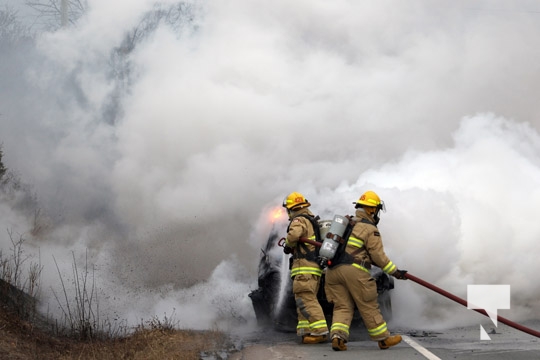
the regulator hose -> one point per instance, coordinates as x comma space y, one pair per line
464, 303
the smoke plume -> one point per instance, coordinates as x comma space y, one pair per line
161, 158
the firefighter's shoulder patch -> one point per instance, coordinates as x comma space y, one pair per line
376, 233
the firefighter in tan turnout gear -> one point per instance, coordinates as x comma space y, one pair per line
349, 282
305, 271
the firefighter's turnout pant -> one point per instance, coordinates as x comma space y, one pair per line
347, 285
311, 318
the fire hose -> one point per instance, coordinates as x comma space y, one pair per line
464, 303
447, 295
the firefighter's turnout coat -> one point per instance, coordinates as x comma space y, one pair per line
306, 274
348, 281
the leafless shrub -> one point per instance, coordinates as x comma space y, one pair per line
81, 316
11, 267
167, 323
34, 276
19, 291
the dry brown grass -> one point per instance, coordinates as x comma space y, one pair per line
20, 340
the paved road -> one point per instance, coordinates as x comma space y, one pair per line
458, 344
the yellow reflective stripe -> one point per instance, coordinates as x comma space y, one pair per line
303, 324
312, 237
318, 324
341, 327
372, 201
355, 242
389, 268
306, 270
381, 329
360, 267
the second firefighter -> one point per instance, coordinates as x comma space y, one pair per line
305, 270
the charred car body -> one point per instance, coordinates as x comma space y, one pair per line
273, 300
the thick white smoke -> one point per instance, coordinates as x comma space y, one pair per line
165, 173
463, 215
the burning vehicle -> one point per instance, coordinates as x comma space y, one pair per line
273, 300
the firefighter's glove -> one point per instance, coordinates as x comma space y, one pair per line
283, 243
400, 274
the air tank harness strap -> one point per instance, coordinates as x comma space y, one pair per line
364, 264
305, 253
358, 244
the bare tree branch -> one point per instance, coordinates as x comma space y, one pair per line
49, 12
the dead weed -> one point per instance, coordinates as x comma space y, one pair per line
20, 340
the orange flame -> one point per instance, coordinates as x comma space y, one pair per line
277, 214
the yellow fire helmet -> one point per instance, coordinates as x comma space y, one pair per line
369, 198
295, 201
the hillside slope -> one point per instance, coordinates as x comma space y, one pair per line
22, 339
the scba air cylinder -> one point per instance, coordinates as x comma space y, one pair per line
332, 239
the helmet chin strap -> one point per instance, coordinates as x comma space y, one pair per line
376, 217
377, 212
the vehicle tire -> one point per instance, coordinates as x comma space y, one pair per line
264, 298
